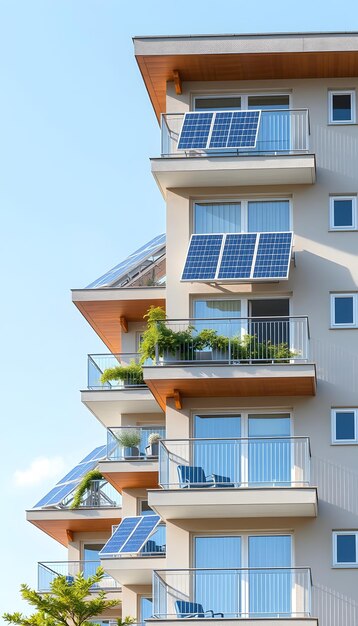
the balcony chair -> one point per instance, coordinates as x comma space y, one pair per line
193, 609
192, 476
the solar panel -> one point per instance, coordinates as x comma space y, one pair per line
219, 130
120, 536
120, 271
273, 255
202, 258
69, 482
131, 535
238, 256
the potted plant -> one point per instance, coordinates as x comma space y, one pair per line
130, 441
152, 448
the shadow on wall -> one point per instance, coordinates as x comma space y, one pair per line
336, 484
330, 143
333, 608
327, 355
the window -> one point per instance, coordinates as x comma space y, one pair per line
341, 107
344, 426
243, 216
343, 213
344, 310
345, 548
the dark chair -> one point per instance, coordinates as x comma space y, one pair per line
193, 476
193, 609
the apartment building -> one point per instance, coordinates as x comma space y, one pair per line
247, 507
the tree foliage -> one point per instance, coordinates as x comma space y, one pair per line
69, 603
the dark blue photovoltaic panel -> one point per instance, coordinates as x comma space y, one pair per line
273, 255
202, 258
195, 131
69, 482
141, 533
235, 129
238, 254
120, 535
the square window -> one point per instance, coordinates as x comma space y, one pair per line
345, 548
344, 310
344, 426
341, 107
343, 213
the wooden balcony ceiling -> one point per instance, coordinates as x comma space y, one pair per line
255, 57
130, 474
60, 524
105, 315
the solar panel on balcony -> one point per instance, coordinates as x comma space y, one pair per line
202, 258
273, 256
219, 130
69, 482
237, 256
130, 535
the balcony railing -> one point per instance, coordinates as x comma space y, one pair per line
232, 593
234, 463
233, 341
98, 363
100, 494
47, 572
126, 443
280, 132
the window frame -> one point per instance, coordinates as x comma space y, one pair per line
334, 296
332, 200
341, 92
244, 204
344, 442
335, 562
244, 95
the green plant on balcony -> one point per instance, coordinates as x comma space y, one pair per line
152, 448
131, 374
83, 487
129, 440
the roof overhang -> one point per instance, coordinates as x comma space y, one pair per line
243, 57
104, 309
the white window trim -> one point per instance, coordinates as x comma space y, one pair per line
335, 534
344, 442
244, 203
332, 200
341, 92
354, 296
239, 94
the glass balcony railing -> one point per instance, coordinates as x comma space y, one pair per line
97, 364
100, 494
134, 442
47, 572
234, 463
233, 341
280, 132
232, 593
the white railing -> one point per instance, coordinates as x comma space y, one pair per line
48, 572
280, 132
234, 463
232, 593
98, 363
99, 494
233, 341
133, 442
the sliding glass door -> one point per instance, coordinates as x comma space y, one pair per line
269, 456
270, 590
221, 458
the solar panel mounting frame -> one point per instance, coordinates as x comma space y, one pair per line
212, 124
122, 552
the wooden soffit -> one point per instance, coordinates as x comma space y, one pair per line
62, 529
157, 70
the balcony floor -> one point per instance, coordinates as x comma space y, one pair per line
133, 571
130, 474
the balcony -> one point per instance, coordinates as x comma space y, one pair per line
234, 478
132, 462
128, 395
281, 155
231, 358
250, 595
47, 572
98, 510
137, 568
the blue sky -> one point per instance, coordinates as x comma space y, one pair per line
76, 196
